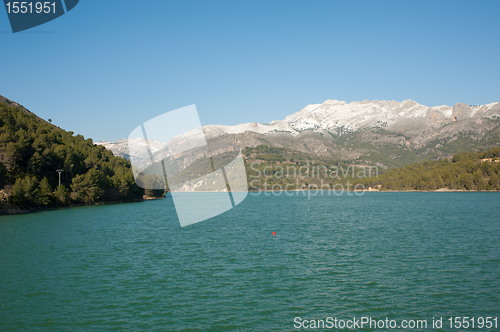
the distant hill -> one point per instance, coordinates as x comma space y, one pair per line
271, 168
31, 152
465, 171
391, 133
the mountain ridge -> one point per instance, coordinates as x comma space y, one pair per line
355, 130
333, 114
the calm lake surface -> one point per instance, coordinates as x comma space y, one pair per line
132, 267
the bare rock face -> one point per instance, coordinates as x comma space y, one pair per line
460, 111
349, 130
435, 117
493, 111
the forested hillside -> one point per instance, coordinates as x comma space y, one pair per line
31, 152
465, 171
277, 169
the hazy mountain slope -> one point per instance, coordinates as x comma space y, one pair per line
371, 130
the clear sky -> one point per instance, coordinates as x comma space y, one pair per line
109, 65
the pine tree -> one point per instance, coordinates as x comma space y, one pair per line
45, 194
62, 195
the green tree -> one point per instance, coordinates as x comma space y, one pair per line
466, 181
45, 194
493, 182
439, 182
85, 187
25, 191
62, 195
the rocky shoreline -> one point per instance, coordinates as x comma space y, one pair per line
7, 209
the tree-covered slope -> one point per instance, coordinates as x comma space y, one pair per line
31, 152
465, 171
270, 168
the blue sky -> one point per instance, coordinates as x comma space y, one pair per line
107, 66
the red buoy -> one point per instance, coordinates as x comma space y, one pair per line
274, 233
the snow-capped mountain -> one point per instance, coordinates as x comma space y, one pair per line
413, 125
339, 116
121, 148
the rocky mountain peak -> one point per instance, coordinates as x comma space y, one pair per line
317, 127
460, 111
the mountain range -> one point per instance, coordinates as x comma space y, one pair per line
387, 132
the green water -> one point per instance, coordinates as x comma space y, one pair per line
131, 267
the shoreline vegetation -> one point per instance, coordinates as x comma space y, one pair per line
7, 209
10, 209
382, 191
468, 171
43, 166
